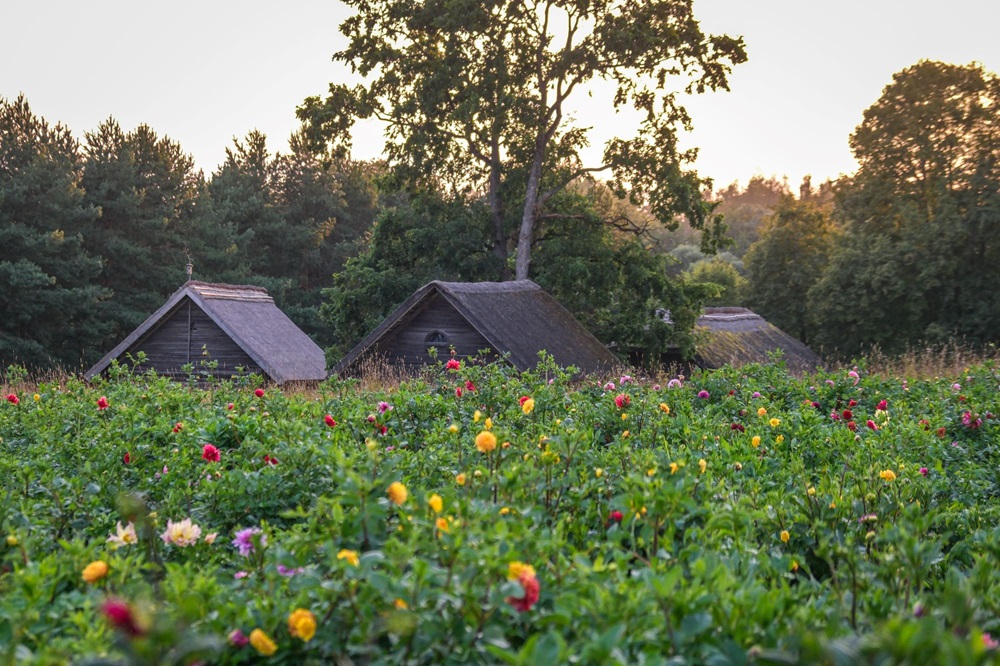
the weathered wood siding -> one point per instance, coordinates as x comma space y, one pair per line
168, 347
408, 346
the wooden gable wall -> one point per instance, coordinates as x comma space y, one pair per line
408, 344
169, 346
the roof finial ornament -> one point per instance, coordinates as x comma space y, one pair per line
190, 268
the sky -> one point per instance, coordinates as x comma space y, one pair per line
204, 72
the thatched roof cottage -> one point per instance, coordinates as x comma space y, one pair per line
237, 326
514, 319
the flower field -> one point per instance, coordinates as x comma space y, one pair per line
482, 516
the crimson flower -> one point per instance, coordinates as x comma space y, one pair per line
259, 393
120, 615
12, 399
178, 426
127, 458
270, 460
871, 424
458, 392
852, 402
469, 386
737, 426
453, 364
852, 426
210, 453
102, 403
329, 420
523, 399
615, 516
848, 415
531, 593
230, 406
622, 400
882, 405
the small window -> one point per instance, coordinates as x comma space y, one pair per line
437, 338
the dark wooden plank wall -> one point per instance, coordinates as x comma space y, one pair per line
167, 351
408, 347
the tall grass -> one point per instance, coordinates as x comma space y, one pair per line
950, 359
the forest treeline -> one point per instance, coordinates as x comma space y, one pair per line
96, 231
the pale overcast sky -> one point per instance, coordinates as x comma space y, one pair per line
204, 71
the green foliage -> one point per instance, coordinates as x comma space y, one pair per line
921, 255
680, 536
745, 210
50, 301
474, 96
719, 272
293, 222
788, 260
147, 191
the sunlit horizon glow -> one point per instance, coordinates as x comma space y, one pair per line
205, 73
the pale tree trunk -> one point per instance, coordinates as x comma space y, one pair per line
527, 234
496, 211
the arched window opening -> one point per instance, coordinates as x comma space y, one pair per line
437, 338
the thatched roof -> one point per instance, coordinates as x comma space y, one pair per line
736, 336
248, 315
517, 318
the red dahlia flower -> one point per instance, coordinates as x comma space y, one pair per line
531, 589
210, 453
120, 615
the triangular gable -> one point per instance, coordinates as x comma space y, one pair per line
151, 322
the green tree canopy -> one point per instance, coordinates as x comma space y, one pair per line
476, 94
719, 272
291, 216
50, 300
921, 254
786, 262
147, 191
